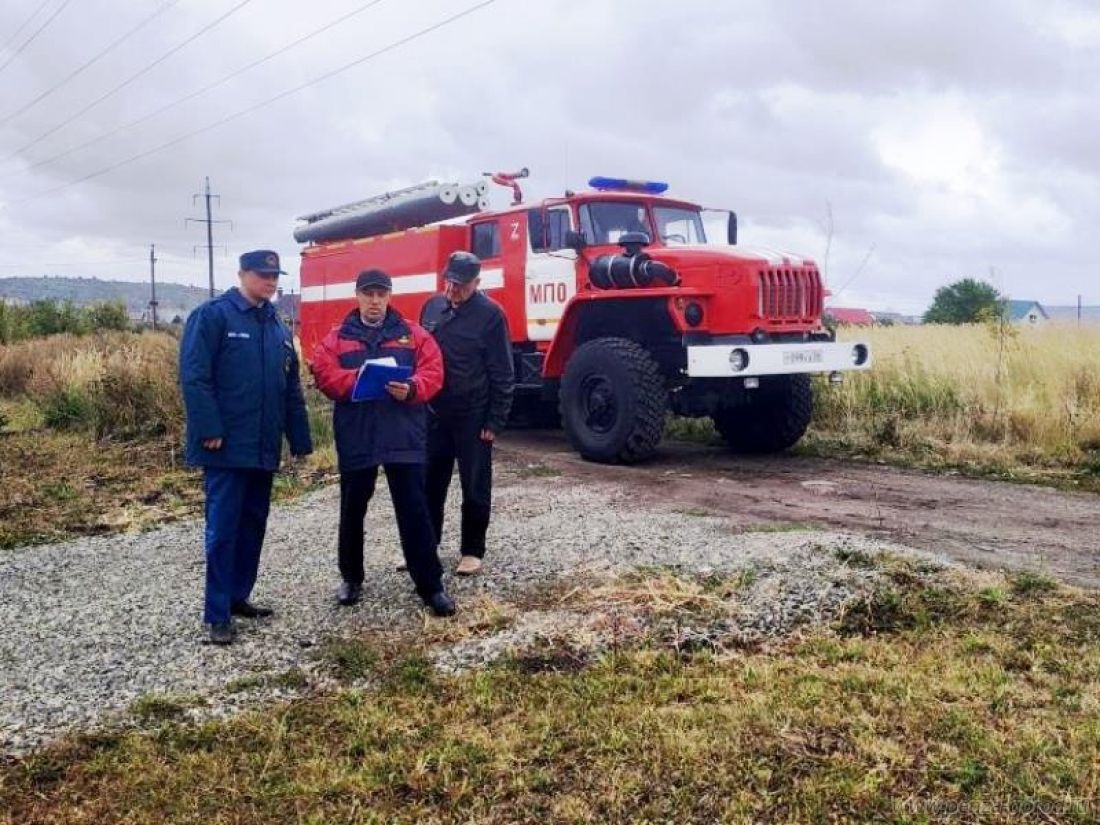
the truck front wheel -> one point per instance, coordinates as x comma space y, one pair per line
613, 401
774, 417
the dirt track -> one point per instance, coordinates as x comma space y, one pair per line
985, 523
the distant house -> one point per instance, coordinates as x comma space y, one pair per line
849, 316
895, 318
1025, 313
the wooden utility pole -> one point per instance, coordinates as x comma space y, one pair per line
153, 282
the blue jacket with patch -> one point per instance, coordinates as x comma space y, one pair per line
240, 381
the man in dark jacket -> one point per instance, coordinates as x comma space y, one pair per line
474, 403
388, 432
242, 393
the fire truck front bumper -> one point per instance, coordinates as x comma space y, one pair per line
743, 360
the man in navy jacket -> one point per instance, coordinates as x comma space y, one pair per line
389, 432
242, 393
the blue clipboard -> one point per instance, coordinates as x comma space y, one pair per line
372, 380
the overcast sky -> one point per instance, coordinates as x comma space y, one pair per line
901, 145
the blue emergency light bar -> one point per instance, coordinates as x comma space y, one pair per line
649, 187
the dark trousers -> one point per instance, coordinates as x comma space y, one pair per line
452, 439
237, 504
418, 543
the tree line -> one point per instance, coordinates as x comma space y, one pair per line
41, 318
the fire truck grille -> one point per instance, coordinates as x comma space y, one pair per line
789, 295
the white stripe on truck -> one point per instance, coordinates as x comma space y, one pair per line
402, 285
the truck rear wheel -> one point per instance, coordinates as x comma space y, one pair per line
774, 418
613, 401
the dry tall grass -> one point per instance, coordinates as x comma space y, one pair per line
992, 395
116, 385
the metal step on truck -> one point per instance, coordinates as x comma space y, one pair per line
620, 307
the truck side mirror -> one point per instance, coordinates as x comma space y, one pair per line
731, 229
575, 240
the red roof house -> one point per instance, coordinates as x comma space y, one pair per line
851, 316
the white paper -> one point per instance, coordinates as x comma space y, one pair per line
387, 361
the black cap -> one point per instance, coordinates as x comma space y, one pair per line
462, 267
373, 278
261, 260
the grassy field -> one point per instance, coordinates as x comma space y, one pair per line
90, 438
1018, 404
90, 426
931, 701
1021, 403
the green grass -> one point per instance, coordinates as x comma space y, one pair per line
695, 512
154, 707
292, 679
942, 706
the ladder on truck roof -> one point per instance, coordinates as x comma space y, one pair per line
408, 208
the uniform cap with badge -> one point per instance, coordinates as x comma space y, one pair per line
262, 262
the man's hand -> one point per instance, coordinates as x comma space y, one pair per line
212, 444
487, 436
398, 389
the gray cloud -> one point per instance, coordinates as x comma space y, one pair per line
944, 138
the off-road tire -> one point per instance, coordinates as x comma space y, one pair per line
774, 419
613, 401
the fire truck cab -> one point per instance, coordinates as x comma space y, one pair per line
620, 310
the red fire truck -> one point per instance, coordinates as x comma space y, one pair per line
621, 309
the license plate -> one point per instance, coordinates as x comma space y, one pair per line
803, 356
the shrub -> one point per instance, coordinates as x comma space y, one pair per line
68, 408
16, 369
136, 395
112, 385
107, 316
43, 318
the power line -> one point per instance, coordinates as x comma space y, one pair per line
129, 80
24, 24
26, 107
37, 32
241, 113
194, 94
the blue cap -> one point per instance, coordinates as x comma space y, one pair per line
261, 260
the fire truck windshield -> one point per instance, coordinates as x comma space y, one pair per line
604, 222
679, 226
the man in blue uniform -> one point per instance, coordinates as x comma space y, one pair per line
474, 404
242, 393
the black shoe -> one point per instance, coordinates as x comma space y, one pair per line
441, 604
250, 611
221, 633
349, 594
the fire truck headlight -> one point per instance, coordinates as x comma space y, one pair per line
739, 359
859, 355
693, 314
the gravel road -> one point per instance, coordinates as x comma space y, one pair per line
91, 625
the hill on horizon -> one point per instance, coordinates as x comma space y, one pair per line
172, 299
